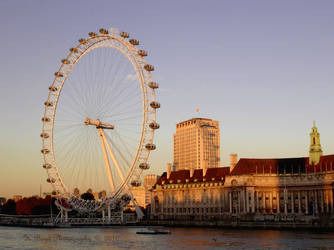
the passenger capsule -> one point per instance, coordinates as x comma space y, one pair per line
58, 74
92, 34
73, 50
82, 41
45, 151
142, 52
46, 119
135, 183
153, 85
104, 31
144, 166
148, 67
154, 125
124, 34
45, 135
65, 61
155, 105
48, 104
47, 166
134, 41
150, 146
53, 88
51, 180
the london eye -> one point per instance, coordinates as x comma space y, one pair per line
99, 120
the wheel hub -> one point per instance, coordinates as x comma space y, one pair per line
99, 124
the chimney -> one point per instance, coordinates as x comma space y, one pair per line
205, 167
233, 161
191, 172
204, 170
169, 169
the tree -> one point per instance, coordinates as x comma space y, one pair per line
24, 206
42, 206
9, 207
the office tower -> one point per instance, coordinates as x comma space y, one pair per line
196, 144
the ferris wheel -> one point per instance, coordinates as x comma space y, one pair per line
99, 120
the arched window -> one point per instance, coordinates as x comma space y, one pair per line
313, 140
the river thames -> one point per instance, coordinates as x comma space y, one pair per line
187, 238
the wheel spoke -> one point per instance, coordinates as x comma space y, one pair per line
103, 80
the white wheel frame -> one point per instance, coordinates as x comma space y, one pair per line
149, 105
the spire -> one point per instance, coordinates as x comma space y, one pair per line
315, 146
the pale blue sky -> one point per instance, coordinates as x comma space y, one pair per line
264, 69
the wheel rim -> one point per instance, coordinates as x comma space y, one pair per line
66, 147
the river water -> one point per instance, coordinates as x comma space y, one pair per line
180, 238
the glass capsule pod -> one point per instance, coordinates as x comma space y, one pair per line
58, 74
104, 31
45, 151
51, 180
73, 50
154, 125
53, 88
124, 34
155, 105
135, 183
144, 166
65, 61
142, 52
148, 67
153, 85
47, 166
134, 41
48, 104
92, 34
45, 135
46, 119
82, 41
150, 146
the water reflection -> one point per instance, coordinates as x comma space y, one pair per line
187, 238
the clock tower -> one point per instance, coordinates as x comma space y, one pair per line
315, 146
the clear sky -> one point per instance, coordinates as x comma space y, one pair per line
263, 69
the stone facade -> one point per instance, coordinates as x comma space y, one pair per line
142, 194
291, 189
139, 196
291, 194
246, 194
